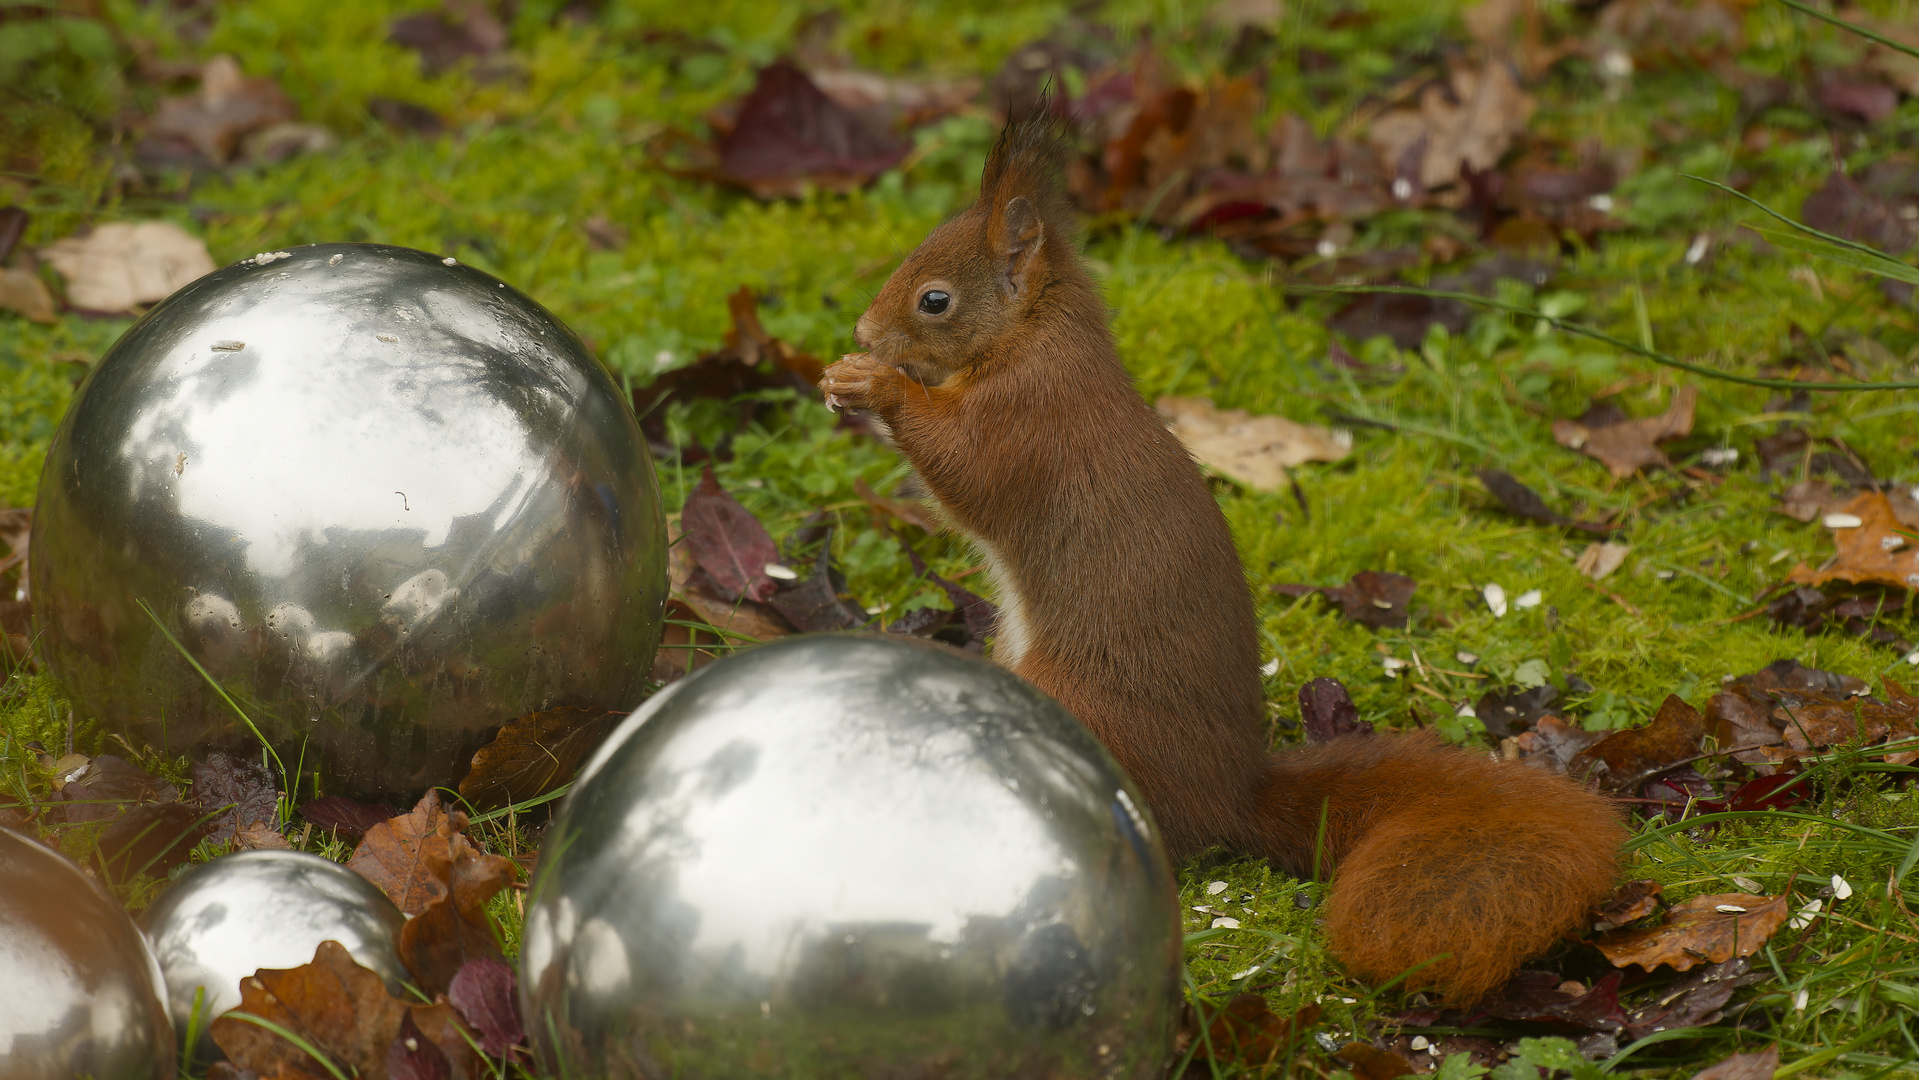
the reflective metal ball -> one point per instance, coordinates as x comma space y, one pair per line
228, 918
390, 502
80, 994
858, 856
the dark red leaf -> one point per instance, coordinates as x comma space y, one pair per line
814, 604
1537, 995
350, 819
414, 1057
483, 992
1759, 793
1694, 998
1372, 598
789, 135
728, 542
242, 792
1327, 711
1511, 710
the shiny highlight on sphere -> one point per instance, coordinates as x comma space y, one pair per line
852, 856
389, 502
226, 919
80, 994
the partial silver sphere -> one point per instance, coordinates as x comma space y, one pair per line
387, 501
852, 856
226, 919
80, 994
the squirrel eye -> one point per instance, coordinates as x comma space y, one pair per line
935, 302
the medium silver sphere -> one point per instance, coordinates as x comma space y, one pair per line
852, 856
388, 502
79, 992
228, 918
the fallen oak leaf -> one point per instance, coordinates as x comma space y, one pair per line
1872, 549
1756, 1065
237, 793
1623, 760
1694, 999
455, 928
1705, 929
398, 854
1468, 122
789, 136
1626, 446
1629, 903
227, 106
1252, 450
532, 755
1372, 597
334, 1005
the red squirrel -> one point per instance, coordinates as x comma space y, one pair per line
1121, 595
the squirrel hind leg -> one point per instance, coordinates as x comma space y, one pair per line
1485, 879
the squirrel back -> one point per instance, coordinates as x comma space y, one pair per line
1121, 594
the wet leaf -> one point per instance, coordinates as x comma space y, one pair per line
483, 991
1625, 759
151, 839
122, 264
241, 791
337, 1006
1247, 1032
1327, 711
728, 542
228, 106
1693, 999
814, 605
454, 928
1756, 1065
1543, 996
1522, 501
350, 819
532, 755
1468, 122
1510, 710
1872, 548
790, 136
413, 1056
1372, 598
1626, 446
1253, 450
398, 855
1629, 903
100, 788
1369, 1062
1705, 929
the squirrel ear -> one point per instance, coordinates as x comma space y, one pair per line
1020, 236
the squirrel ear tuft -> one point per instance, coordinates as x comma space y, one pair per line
1024, 194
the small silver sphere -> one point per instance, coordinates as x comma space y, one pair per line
873, 857
226, 919
79, 991
392, 503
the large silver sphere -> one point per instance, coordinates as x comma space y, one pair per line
388, 502
852, 857
79, 992
226, 919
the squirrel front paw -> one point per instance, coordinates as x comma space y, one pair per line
857, 381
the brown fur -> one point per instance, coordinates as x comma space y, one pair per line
1123, 597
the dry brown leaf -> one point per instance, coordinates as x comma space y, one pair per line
398, 855
259, 836
1757, 1065
1369, 1062
1705, 929
339, 1007
1253, 450
122, 264
22, 292
455, 928
1471, 121
1872, 552
1629, 446
1599, 560
1625, 759
532, 755
1631, 902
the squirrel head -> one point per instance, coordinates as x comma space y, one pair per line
978, 279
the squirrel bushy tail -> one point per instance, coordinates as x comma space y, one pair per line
1443, 860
